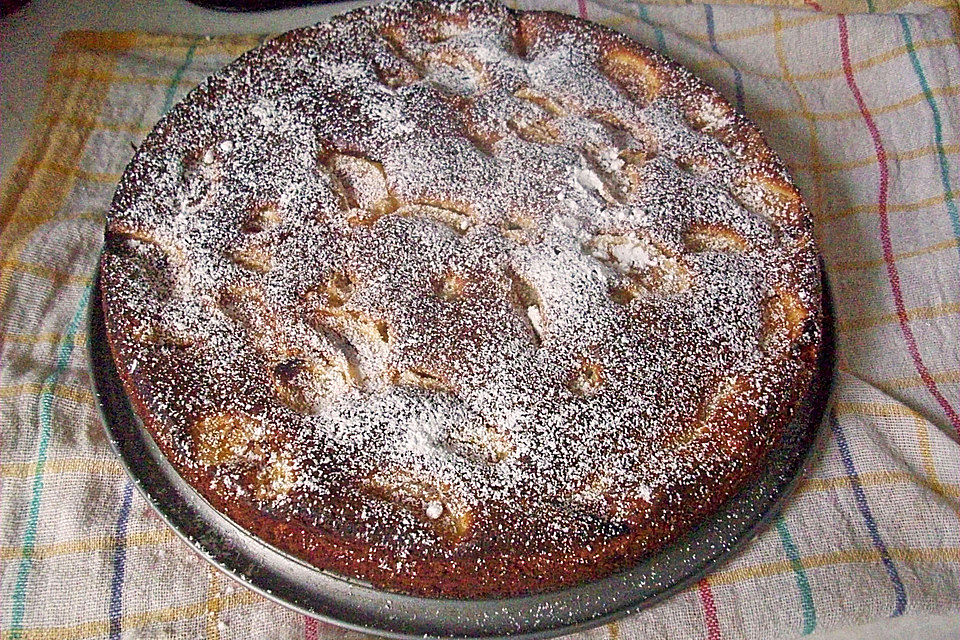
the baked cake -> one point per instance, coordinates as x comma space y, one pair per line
459, 300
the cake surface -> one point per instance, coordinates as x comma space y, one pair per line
459, 300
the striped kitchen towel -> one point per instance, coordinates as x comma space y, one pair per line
863, 108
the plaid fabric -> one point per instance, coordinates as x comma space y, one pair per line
862, 107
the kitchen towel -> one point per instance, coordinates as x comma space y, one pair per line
860, 99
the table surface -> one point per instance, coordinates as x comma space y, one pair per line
26, 42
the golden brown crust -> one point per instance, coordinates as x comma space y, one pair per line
461, 300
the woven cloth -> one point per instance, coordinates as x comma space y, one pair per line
863, 109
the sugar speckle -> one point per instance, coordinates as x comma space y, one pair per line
434, 510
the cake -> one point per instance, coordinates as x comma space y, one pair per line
461, 301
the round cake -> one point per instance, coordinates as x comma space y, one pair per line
459, 300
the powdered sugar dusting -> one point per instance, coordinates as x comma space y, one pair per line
473, 294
